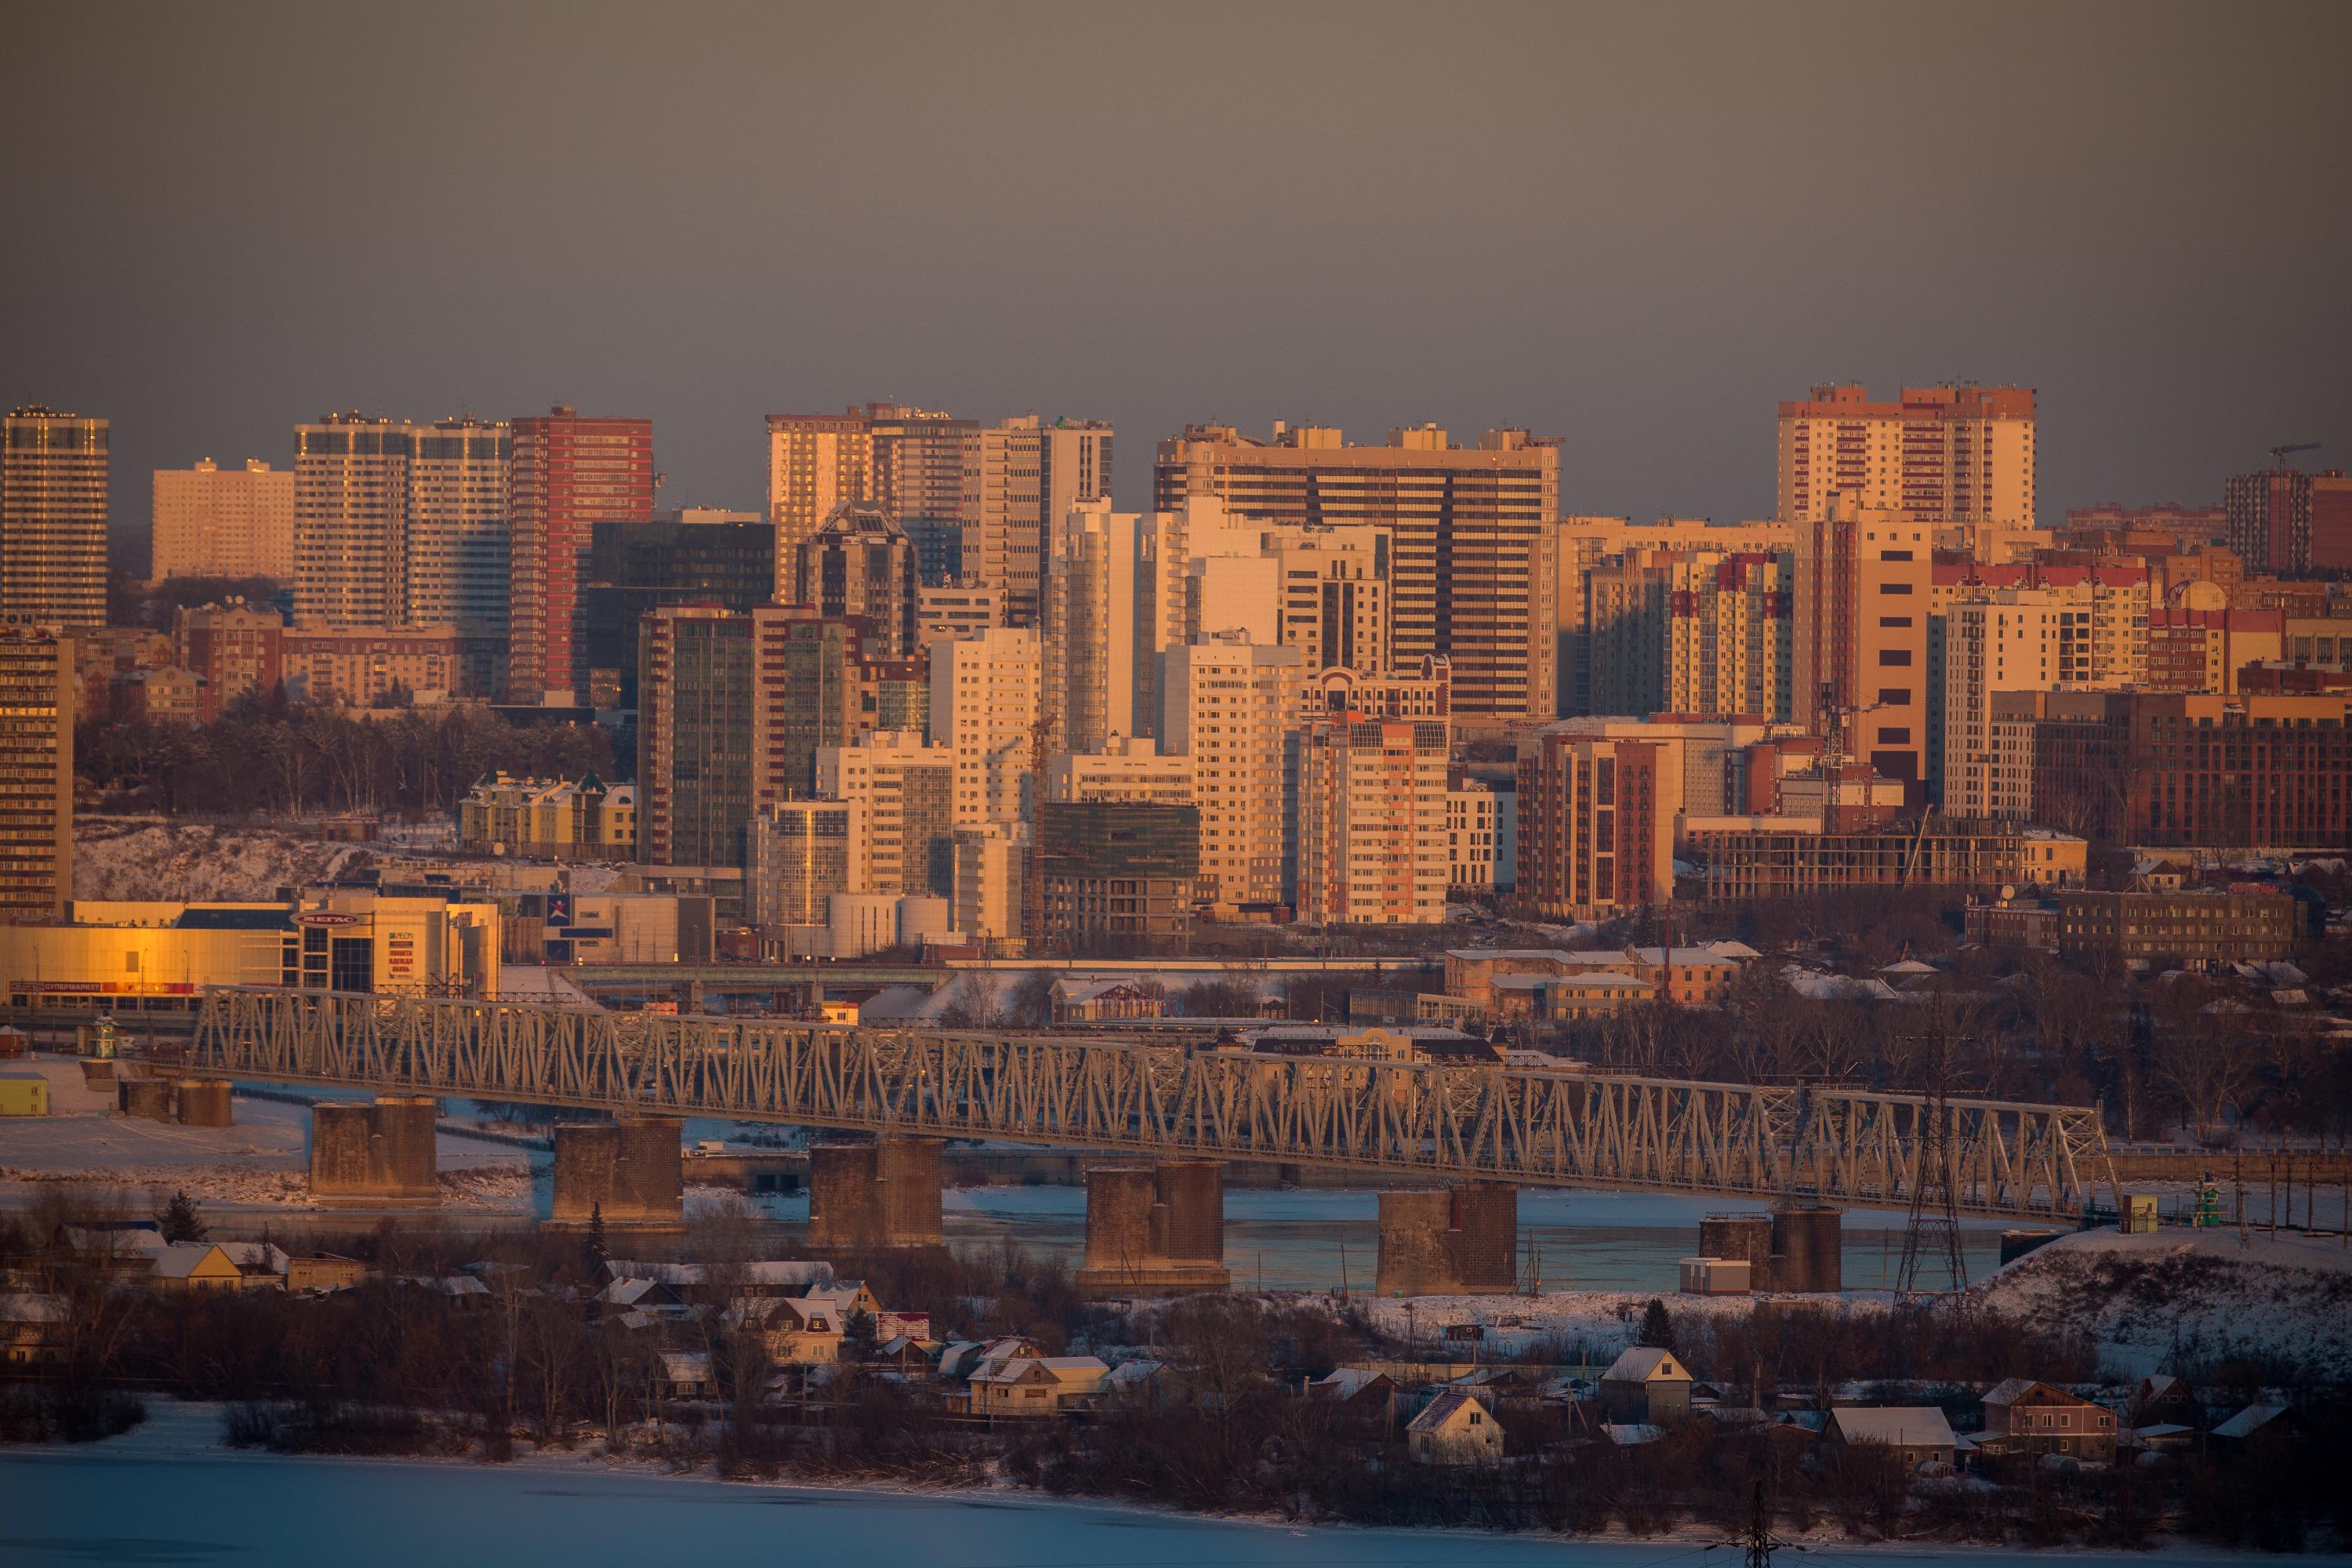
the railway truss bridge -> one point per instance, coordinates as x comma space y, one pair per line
1434, 1124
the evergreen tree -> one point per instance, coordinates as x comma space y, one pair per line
599, 1251
180, 1221
857, 1331
1657, 1327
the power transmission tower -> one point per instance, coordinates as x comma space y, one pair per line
1931, 1234
1757, 1543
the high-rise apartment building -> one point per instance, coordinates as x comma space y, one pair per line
398, 524
798, 854
921, 466
1130, 769
2268, 518
1596, 822
570, 473
694, 701
52, 519
1729, 648
904, 792
2331, 522
815, 463
1091, 638
727, 559
807, 669
1859, 658
1626, 601
859, 562
1473, 537
985, 694
1957, 456
211, 522
455, 566
1472, 828
2010, 641
927, 477
350, 520
1230, 705
1030, 473
1371, 845
1121, 869
37, 731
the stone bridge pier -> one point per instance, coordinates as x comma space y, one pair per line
378, 1155
882, 1196
1458, 1240
1155, 1229
630, 1170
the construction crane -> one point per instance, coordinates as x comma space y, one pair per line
2279, 455
1033, 860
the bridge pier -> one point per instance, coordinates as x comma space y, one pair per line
1157, 1229
1808, 1250
1459, 1240
882, 1196
630, 1170
204, 1102
379, 1156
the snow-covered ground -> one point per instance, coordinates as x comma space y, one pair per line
134, 858
260, 1161
166, 1493
2178, 1295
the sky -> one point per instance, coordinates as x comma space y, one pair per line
1634, 228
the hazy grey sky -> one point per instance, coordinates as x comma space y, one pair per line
1635, 228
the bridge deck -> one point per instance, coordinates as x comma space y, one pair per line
1532, 1127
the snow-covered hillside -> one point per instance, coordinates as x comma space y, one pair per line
2181, 1297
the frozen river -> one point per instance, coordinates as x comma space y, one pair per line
1306, 1240
165, 1494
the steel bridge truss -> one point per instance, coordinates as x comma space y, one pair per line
1525, 1127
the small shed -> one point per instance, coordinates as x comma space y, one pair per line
684, 1374
1456, 1428
24, 1094
1716, 1275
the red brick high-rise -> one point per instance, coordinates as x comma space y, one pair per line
570, 473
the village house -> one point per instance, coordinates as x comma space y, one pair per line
324, 1272
2022, 1417
797, 1330
691, 1284
1153, 1384
1646, 1384
967, 1359
1038, 1385
2259, 1424
1456, 1428
32, 1330
1359, 1390
1916, 1434
218, 1266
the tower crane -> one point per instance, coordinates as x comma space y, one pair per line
2279, 455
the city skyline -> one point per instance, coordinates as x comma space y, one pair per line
1645, 270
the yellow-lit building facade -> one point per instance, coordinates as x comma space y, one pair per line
158, 957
